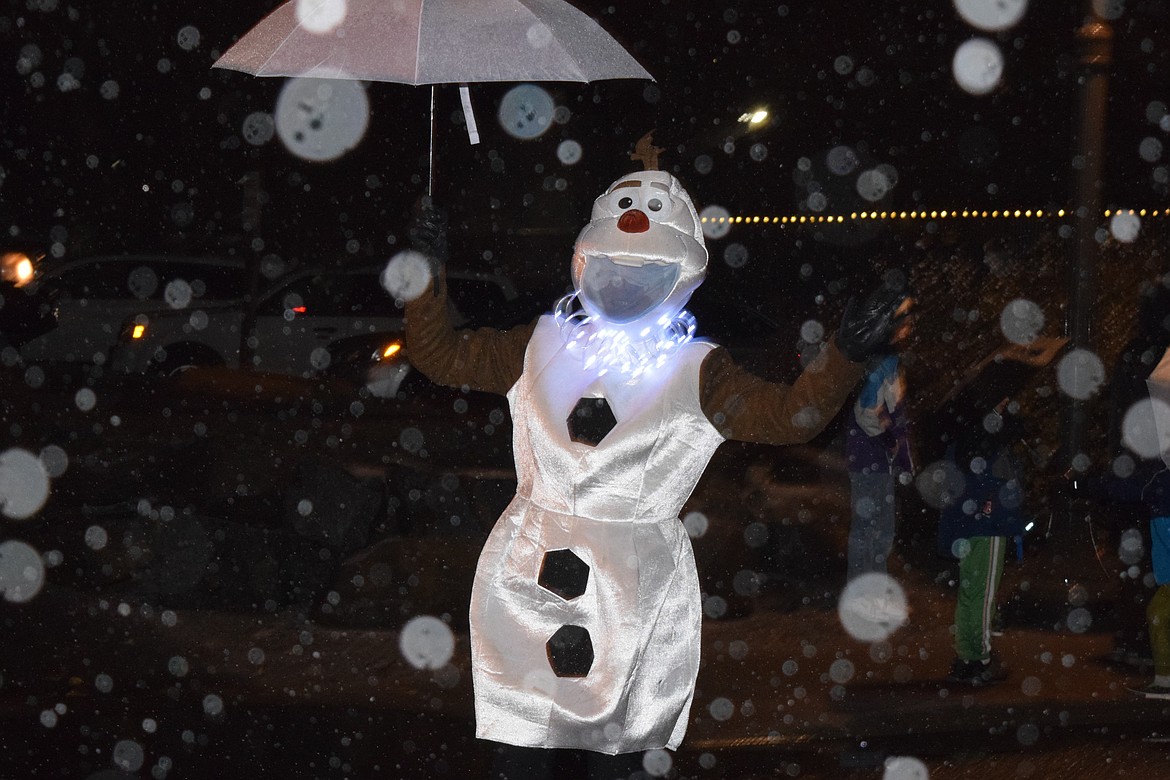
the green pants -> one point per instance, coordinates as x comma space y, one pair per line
980, 571
1158, 622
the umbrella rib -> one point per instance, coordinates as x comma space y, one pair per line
277, 49
418, 47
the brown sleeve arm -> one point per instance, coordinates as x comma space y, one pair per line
482, 359
746, 408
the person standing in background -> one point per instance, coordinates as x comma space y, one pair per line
878, 455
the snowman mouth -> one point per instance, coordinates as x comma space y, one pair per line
625, 288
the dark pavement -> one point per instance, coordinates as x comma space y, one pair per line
99, 678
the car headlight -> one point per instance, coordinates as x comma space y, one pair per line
387, 351
17, 267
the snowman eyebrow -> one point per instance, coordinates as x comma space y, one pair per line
636, 183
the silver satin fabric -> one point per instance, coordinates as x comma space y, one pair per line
616, 507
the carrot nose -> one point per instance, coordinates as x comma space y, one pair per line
634, 221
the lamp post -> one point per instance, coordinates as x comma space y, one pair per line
1095, 40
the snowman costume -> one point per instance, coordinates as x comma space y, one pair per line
585, 610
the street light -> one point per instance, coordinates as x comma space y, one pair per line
754, 118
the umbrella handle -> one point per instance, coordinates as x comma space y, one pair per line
431, 161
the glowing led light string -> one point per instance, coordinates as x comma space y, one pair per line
796, 219
615, 348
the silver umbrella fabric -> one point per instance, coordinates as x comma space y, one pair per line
432, 42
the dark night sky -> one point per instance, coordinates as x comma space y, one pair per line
160, 163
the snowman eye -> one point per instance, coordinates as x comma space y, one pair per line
654, 205
625, 203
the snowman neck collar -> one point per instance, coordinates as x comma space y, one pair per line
622, 349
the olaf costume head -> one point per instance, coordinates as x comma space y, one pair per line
642, 254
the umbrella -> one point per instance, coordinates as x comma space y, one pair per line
432, 42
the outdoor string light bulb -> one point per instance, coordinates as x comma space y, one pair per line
937, 214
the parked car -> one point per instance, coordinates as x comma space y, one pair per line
298, 326
24, 314
94, 296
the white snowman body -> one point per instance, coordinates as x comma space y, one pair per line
586, 610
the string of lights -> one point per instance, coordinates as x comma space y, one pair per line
858, 216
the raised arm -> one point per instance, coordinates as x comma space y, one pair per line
482, 359
744, 407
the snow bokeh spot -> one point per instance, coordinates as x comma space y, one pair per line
904, 768
407, 275
841, 160
1109, 9
716, 221
321, 119
1021, 321
526, 111
812, 332
212, 704
96, 537
873, 184
85, 399
55, 460
569, 152
22, 572
24, 484
657, 763
1150, 149
1079, 620
1131, 548
188, 38
128, 755
426, 642
539, 36
1080, 374
696, 524
714, 607
977, 66
1125, 226
940, 484
320, 358
841, 671
321, 16
735, 255
721, 709
991, 15
178, 294
872, 607
1139, 429
142, 282
259, 127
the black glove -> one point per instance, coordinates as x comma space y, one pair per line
428, 236
867, 327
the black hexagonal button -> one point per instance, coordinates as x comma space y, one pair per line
563, 573
590, 421
570, 652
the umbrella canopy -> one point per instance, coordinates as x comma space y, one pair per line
432, 42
